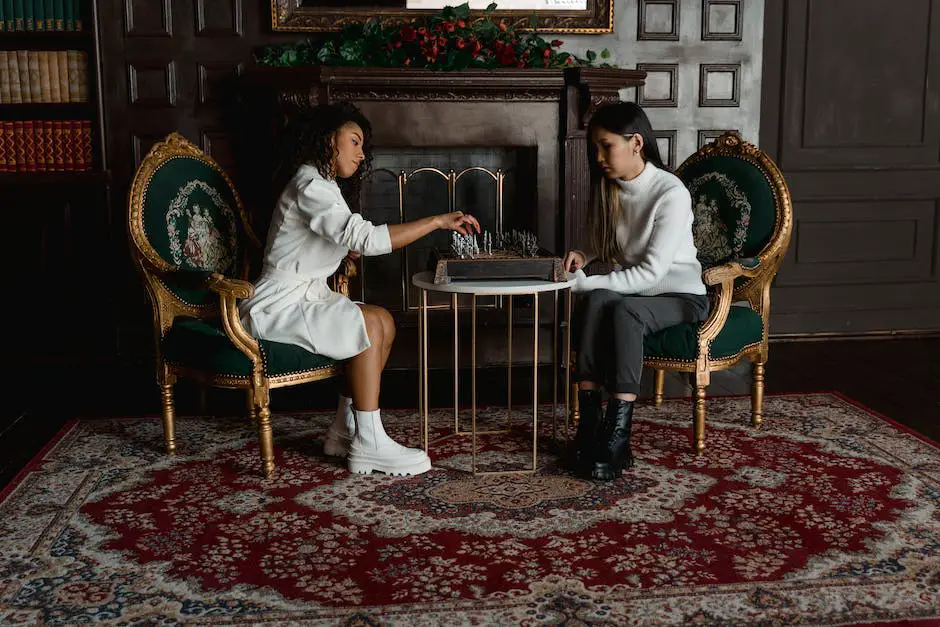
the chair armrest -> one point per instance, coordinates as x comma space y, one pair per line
749, 267
346, 271
229, 290
235, 287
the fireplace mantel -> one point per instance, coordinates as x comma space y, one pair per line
541, 110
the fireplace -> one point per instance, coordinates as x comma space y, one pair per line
526, 125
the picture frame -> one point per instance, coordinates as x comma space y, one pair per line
583, 16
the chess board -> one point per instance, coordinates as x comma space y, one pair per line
498, 265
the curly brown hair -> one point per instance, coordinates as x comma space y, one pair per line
308, 140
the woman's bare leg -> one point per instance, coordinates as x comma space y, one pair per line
364, 371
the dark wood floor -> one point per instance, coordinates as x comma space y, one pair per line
899, 378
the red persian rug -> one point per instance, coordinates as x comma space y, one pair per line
827, 515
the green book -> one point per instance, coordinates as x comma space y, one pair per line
8, 15
3, 18
39, 15
58, 14
47, 9
28, 15
68, 18
17, 14
77, 14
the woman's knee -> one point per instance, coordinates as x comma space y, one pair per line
388, 324
375, 327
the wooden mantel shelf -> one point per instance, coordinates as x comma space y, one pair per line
408, 84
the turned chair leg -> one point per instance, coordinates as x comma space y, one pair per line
169, 435
252, 410
658, 384
757, 393
266, 439
699, 419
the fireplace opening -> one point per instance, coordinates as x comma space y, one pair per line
498, 186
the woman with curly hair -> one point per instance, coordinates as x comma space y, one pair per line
312, 231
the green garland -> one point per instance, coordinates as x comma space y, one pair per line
448, 40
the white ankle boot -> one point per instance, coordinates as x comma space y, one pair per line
340, 434
372, 449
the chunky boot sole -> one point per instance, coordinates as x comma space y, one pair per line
365, 464
604, 471
336, 447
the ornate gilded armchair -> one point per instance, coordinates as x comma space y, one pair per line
742, 225
190, 237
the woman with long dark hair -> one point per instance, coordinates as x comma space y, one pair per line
312, 231
641, 221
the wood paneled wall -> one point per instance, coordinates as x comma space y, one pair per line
851, 113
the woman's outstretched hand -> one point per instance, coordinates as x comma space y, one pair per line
459, 221
574, 260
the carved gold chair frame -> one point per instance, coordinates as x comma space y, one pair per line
734, 281
167, 306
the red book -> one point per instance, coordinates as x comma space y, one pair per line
19, 146
49, 145
29, 146
39, 141
68, 149
58, 143
88, 157
6, 153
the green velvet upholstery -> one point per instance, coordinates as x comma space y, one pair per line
202, 345
743, 327
190, 219
734, 208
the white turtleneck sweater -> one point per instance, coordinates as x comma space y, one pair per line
658, 255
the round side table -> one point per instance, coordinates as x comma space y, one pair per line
424, 281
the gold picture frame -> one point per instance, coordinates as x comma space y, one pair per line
332, 15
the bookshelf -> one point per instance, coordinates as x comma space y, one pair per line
51, 117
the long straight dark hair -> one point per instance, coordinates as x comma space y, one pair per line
620, 118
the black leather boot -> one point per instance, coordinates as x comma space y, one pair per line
613, 441
581, 455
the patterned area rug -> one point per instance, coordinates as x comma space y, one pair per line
828, 515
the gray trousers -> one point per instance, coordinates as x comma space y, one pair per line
608, 331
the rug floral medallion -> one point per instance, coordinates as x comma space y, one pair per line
828, 514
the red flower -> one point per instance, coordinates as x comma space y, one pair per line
556, 43
407, 33
422, 31
461, 24
477, 46
547, 53
449, 27
408, 61
441, 42
502, 26
520, 64
460, 43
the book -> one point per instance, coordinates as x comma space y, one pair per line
54, 78
28, 15
22, 63
83, 75
88, 157
39, 16
49, 143
74, 77
44, 86
16, 95
5, 96
39, 138
77, 14
19, 147
69, 20
29, 146
63, 60
7, 157
35, 86
3, 28
58, 143
58, 11
17, 15
48, 11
